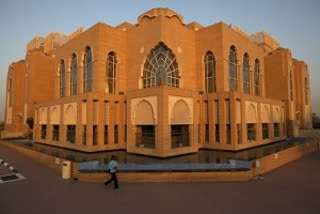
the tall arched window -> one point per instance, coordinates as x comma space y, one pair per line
245, 73
160, 68
233, 69
291, 87
210, 72
306, 91
111, 73
257, 77
62, 79
87, 73
74, 75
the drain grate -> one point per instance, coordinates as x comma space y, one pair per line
10, 177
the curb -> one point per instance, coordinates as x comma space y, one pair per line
8, 165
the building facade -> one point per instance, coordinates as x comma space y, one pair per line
159, 87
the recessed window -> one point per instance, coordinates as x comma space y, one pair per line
106, 134
95, 135
74, 75
145, 136
233, 69
55, 133
111, 73
116, 136
251, 132
71, 134
291, 87
62, 79
210, 72
257, 77
43, 131
265, 130
88, 71
306, 91
276, 127
245, 73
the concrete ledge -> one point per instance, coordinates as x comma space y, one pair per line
265, 165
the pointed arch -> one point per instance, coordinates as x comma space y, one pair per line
161, 68
70, 115
210, 72
251, 114
180, 113
276, 115
265, 115
144, 114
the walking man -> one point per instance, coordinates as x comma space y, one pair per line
113, 165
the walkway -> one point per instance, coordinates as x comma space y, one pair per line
294, 188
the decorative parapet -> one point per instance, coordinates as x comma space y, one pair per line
264, 37
36, 43
76, 33
239, 30
53, 41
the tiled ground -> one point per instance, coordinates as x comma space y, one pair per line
294, 188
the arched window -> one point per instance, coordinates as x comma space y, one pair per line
62, 79
210, 72
87, 73
291, 87
306, 91
160, 68
257, 77
74, 75
233, 69
245, 73
111, 73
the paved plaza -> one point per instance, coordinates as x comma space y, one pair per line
294, 188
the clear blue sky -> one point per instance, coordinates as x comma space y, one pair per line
294, 23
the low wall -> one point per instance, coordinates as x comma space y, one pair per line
259, 166
47, 160
281, 158
167, 176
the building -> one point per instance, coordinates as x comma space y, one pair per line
159, 87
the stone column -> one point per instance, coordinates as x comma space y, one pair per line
271, 128
68, 78
111, 121
222, 120
244, 131
251, 75
259, 125
211, 121
63, 127
101, 117
121, 122
233, 121
89, 123
49, 126
79, 124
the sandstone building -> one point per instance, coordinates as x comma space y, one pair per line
159, 87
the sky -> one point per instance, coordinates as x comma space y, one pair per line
293, 23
